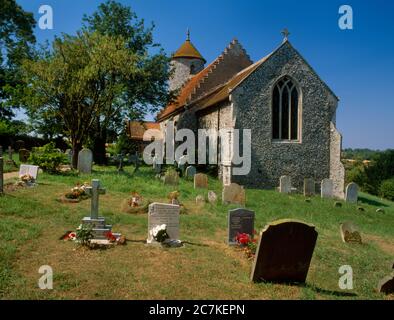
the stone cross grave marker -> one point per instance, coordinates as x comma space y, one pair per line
94, 191
85, 161
28, 169
200, 181
350, 232
240, 221
309, 187
352, 193
285, 184
284, 252
1, 175
327, 188
233, 194
162, 213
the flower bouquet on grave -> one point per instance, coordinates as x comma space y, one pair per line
77, 193
84, 234
247, 244
135, 204
26, 180
159, 233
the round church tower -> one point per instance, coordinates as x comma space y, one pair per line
185, 62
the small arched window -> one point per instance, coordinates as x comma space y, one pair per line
285, 115
192, 69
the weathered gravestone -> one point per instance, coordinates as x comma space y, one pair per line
285, 184
27, 169
351, 193
85, 161
24, 155
350, 233
212, 197
200, 181
171, 178
1, 175
234, 194
284, 252
309, 187
240, 221
162, 213
98, 225
190, 172
327, 188
386, 285
69, 155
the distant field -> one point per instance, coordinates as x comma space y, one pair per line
32, 220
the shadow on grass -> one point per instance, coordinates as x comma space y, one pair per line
372, 202
329, 292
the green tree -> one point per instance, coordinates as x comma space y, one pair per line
147, 91
16, 38
80, 80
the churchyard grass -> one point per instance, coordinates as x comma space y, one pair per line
32, 220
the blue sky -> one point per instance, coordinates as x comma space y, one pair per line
357, 64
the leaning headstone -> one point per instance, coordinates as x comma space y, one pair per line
27, 169
327, 188
240, 221
352, 193
234, 194
1, 175
284, 252
212, 197
85, 161
285, 184
161, 213
386, 285
24, 155
190, 172
171, 178
309, 187
200, 181
350, 233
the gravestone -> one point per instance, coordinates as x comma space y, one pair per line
171, 178
182, 163
85, 161
327, 188
24, 155
25, 169
284, 252
98, 225
1, 175
156, 164
190, 172
386, 285
240, 221
285, 184
234, 194
69, 155
200, 200
200, 181
162, 213
309, 187
350, 233
212, 197
351, 193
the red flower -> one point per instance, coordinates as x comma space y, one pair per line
110, 236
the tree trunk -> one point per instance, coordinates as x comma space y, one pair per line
99, 141
76, 147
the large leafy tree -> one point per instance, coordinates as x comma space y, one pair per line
147, 90
80, 81
16, 39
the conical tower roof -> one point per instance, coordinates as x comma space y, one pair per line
188, 50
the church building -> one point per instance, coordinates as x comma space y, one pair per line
290, 111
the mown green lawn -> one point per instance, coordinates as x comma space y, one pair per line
32, 220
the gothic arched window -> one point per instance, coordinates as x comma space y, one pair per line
285, 116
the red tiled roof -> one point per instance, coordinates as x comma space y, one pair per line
136, 129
